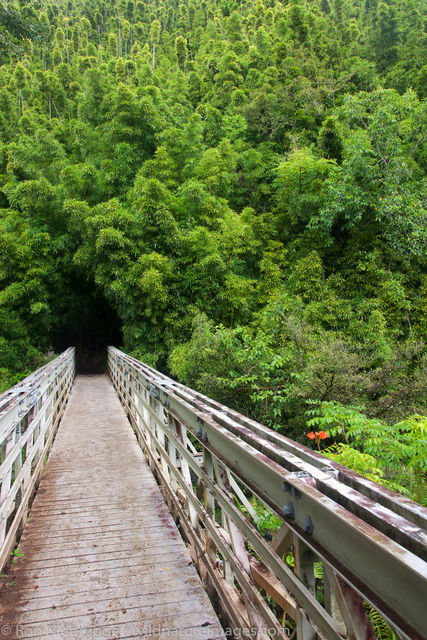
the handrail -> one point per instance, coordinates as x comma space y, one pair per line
29, 415
367, 540
397, 503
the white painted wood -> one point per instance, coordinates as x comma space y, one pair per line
29, 415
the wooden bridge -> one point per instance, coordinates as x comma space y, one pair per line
223, 529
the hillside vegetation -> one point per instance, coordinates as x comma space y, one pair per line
243, 185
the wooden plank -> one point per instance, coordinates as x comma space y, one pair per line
150, 564
82, 526
36, 601
69, 541
101, 552
100, 558
116, 529
79, 581
143, 605
178, 626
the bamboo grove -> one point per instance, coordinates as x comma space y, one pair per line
240, 188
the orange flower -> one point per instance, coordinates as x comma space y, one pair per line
317, 436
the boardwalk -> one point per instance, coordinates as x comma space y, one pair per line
102, 557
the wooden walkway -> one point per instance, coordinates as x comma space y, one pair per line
102, 557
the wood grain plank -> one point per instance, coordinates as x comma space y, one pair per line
101, 552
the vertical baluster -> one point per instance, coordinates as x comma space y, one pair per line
48, 422
181, 433
223, 479
151, 433
346, 606
208, 467
161, 425
173, 455
209, 505
138, 415
304, 569
5, 488
17, 465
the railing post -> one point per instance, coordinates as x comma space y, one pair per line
152, 430
161, 425
5, 487
304, 568
208, 465
173, 454
347, 607
181, 433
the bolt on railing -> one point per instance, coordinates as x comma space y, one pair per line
29, 415
344, 550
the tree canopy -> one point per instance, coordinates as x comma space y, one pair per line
242, 183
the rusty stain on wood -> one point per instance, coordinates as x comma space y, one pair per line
102, 557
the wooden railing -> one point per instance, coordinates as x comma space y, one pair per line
287, 543
29, 415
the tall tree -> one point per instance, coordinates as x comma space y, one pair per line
154, 38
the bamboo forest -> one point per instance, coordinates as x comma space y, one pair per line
233, 192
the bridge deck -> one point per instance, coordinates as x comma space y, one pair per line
102, 557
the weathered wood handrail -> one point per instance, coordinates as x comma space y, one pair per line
29, 415
344, 541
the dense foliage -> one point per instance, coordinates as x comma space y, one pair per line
242, 182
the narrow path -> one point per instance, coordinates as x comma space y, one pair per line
102, 557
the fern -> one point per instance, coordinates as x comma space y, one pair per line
392, 455
381, 629
318, 570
